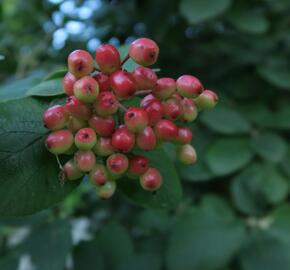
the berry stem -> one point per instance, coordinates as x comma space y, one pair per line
143, 92
122, 107
125, 60
59, 163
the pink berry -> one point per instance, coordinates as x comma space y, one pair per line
85, 139
103, 81
184, 135
151, 180
103, 126
186, 154
74, 124
68, 83
154, 111
166, 130
136, 119
85, 160
138, 165
164, 88
117, 164
77, 108
99, 175
103, 147
146, 140
189, 86
189, 110
147, 99
86, 89
80, 63
123, 139
71, 170
172, 109
145, 78
206, 100
106, 104
107, 190
55, 117
59, 141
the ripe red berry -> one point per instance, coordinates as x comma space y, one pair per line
154, 111
68, 83
123, 84
74, 124
108, 58
189, 110
166, 130
77, 108
106, 104
86, 89
184, 135
189, 86
117, 164
123, 139
85, 160
145, 78
147, 99
144, 51
71, 170
136, 119
186, 154
103, 81
151, 180
206, 100
146, 140
59, 141
103, 126
172, 109
80, 63
99, 175
164, 88
107, 190
138, 165
85, 139
103, 147
55, 117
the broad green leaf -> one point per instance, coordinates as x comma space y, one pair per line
229, 155
58, 74
167, 197
270, 146
9, 262
225, 120
29, 173
47, 88
142, 261
130, 65
205, 238
201, 10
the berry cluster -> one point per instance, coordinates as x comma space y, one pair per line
101, 133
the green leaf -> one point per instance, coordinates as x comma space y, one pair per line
168, 196
47, 88
29, 173
2, 57
225, 120
229, 155
205, 238
143, 261
58, 74
9, 262
130, 65
201, 10
270, 146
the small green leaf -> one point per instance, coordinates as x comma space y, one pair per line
130, 65
47, 88
143, 261
58, 74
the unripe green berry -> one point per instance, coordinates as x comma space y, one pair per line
206, 100
107, 190
186, 154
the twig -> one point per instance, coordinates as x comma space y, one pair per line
122, 107
125, 60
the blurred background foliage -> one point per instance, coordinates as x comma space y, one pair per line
235, 211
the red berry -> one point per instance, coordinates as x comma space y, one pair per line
68, 83
78, 109
184, 135
147, 99
59, 141
103, 147
74, 124
86, 89
164, 88
189, 110
123, 84
106, 104
71, 170
145, 78
85, 139
189, 86
154, 111
206, 100
103, 126
151, 180
80, 63
146, 140
55, 117
136, 119
138, 165
85, 160
117, 164
108, 58
103, 81
166, 130
99, 175
123, 139
172, 108
107, 190
186, 154
144, 51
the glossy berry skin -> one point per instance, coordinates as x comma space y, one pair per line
145, 78
123, 139
172, 109
103, 147
107, 190
85, 160
117, 164
80, 63
123, 84
189, 110
103, 126
68, 83
106, 104
136, 119
58, 142
184, 135
86, 89
74, 124
164, 88
108, 58
138, 165
186, 154
103, 81
99, 175
154, 111
147, 99
77, 108
166, 130
146, 140
189, 86
144, 51
85, 139
55, 118
206, 100
71, 170
151, 180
